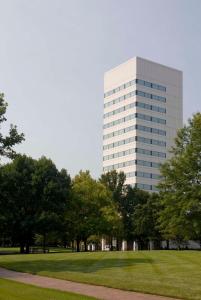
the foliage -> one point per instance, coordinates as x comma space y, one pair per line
114, 181
37, 201
33, 197
130, 201
13, 138
145, 221
132, 197
92, 212
180, 216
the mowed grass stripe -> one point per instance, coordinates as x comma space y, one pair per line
10, 290
169, 273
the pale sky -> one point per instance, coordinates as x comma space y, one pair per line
53, 54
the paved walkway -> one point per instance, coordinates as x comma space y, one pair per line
98, 292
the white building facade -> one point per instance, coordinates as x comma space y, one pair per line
143, 110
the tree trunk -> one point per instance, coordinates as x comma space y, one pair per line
72, 246
44, 242
85, 245
168, 244
78, 245
157, 245
118, 244
21, 248
130, 245
111, 246
141, 244
27, 248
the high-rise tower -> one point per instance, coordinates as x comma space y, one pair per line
142, 113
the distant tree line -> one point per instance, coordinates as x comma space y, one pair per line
41, 205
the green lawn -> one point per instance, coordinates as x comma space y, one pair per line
9, 250
170, 273
10, 290
5, 250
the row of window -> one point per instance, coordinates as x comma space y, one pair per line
136, 81
151, 85
150, 129
134, 104
147, 187
151, 107
148, 175
132, 94
150, 118
134, 150
143, 174
132, 128
151, 96
150, 152
120, 99
133, 139
151, 141
131, 163
133, 116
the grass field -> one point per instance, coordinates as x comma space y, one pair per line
17, 250
10, 290
9, 250
170, 273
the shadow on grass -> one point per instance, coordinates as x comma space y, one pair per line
73, 265
8, 252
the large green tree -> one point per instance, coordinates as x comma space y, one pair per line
136, 208
145, 221
133, 200
115, 182
33, 198
92, 209
180, 189
13, 138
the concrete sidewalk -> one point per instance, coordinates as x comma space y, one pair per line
98, 292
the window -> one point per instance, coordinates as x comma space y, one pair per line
147, 175
150, 152
131, 105
154, 188
155, 176
133, 93
133, 127
148, 84
155, 165
135, 138
143, 186
133, 162
132, 82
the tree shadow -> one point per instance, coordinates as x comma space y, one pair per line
75, 265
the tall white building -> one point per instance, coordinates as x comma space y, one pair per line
142, 113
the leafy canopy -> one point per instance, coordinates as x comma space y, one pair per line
13, 138
180, 188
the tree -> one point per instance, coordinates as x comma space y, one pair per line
133, 199
145, 222
33, 197
18, 203
180, 189
53, 188
115, 182
13, 138
92, 210
128, 199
